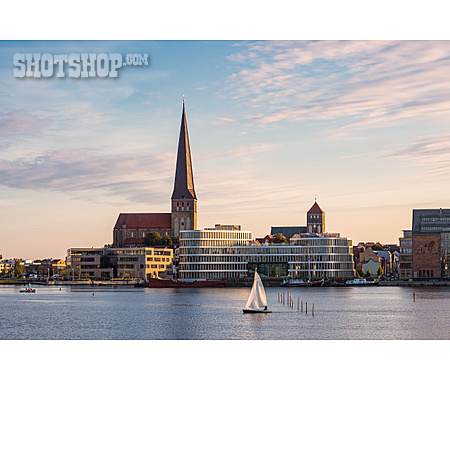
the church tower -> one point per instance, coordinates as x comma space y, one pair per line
315, 219
184, 200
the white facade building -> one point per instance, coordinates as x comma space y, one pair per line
214, 254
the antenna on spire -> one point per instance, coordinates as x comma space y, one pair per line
183, 98
315, 197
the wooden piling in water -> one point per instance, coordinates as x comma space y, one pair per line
414, 295
298, 304
302, 306
313, 310
306, 308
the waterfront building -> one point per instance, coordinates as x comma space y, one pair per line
368, 259
431, 243
107, 263
216, 254
131, 228
405, 257
6, 266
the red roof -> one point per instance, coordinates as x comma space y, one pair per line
144, 220
315, 209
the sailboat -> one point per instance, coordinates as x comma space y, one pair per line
257, 298
28, 289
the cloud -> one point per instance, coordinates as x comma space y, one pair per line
75, 170
19, 122
364, 84
425, 150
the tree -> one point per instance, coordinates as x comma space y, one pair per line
360, 273
368, 274
380, 272
153, 238
175, 240
377, 247
18, 269
167, 241
279, 239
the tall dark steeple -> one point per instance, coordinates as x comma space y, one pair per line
184, 199
184, 178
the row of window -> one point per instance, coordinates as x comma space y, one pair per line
264, 250
444, 218
267, 258
231, 266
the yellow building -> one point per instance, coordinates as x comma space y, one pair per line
125, 263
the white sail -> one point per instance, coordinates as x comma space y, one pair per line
257, 295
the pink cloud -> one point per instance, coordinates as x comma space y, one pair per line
367, 83
17, 123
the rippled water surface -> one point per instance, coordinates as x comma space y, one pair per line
130, 313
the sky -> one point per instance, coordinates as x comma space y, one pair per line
361, 125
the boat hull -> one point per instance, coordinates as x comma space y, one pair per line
256, 311
157, 283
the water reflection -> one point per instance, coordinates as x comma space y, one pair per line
340, 313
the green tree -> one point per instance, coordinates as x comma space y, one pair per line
18, 269
377, 247
166, 240
380, 271
279, 239
153, 238
360, 273
175, 241
368, 274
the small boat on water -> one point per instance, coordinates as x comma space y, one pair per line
28, 289
257, 298
361, 282
298, 282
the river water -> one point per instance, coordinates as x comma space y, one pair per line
341, 313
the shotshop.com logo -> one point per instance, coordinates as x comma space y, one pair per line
74, 65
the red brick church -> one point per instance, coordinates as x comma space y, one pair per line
131, 228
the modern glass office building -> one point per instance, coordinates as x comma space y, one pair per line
214, 254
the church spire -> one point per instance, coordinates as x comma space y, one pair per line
183, 187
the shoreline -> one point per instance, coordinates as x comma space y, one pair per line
130, 283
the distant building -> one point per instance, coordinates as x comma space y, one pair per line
221, 227
405, 258
131, 228
368, 260
288, 232
107, 263
315, 223
215, 254
431, 243
315, 219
